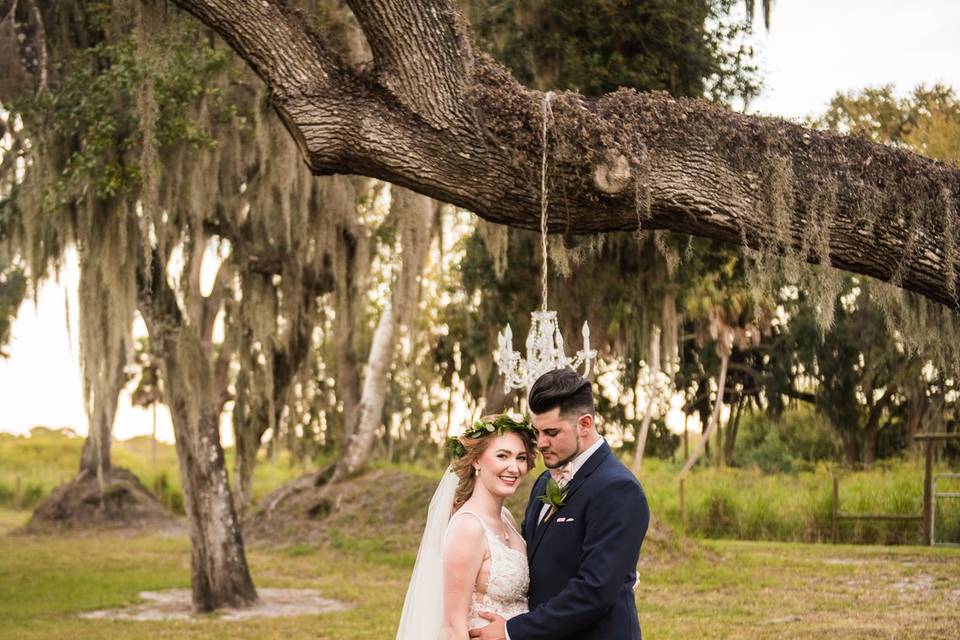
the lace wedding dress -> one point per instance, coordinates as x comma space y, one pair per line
508, 581
507, 585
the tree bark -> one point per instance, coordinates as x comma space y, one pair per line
219, 573
436, 116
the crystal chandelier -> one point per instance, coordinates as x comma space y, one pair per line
545, 350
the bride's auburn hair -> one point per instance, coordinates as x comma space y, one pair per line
473, 448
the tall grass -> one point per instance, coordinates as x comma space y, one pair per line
32, 467
751, 505
745, 504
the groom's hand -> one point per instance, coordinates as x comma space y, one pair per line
496, 630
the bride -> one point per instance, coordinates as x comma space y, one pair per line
472, 559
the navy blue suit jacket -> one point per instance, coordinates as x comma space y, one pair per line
583, 559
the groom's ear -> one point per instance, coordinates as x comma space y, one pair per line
585, 424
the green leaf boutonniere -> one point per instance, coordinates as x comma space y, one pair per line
554, 497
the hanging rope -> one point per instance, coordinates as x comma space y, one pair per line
543, 199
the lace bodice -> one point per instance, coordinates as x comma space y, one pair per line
508, 581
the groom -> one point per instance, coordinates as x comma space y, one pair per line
582, 553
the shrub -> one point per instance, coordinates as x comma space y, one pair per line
771, 455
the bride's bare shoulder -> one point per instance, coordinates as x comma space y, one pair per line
465, 540
464, 525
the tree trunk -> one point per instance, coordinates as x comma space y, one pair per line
654, 369
360, 445
219, 573
218, 568
718, 442
642, 436
95, 457
247, 444
851, 447
495, 398
872, 426
869, 451
732, 427
714, 417
416, 215
350, 276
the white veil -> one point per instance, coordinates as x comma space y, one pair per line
422, 617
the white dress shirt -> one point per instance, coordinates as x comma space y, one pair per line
574, 466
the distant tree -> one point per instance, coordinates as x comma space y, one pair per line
852, 373
12, 280
12, 290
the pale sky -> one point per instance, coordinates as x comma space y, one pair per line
813, 49
817, 47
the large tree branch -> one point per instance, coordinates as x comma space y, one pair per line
623, 161
272, 40
422, 55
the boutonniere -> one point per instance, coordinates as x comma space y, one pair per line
554, 497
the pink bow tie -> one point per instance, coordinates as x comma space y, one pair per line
562, 475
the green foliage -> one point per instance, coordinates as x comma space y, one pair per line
796, 440
770, 455
927, 120
13, 287
93, 109
684, 47
857, 366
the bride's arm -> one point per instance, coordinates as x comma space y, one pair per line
463, 553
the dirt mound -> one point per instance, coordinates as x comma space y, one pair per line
390, 506
77, 505
664, 544
384, 504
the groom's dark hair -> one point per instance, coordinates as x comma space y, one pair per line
563, 388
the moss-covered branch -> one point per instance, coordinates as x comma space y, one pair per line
623, 161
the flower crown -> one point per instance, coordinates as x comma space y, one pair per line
482, 428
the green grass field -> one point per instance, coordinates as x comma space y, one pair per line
726, 589
714, 588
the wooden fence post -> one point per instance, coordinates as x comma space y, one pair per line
835, 520
928, 493
683, 510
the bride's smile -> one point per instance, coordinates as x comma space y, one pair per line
499, 468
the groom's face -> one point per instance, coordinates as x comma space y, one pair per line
558, 437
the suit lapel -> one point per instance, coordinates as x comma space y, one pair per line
582, 474
532, 515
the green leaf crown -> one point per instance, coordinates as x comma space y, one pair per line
481, 428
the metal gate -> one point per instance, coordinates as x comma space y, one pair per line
933, 510
930, 493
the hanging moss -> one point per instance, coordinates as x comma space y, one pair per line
495, 239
